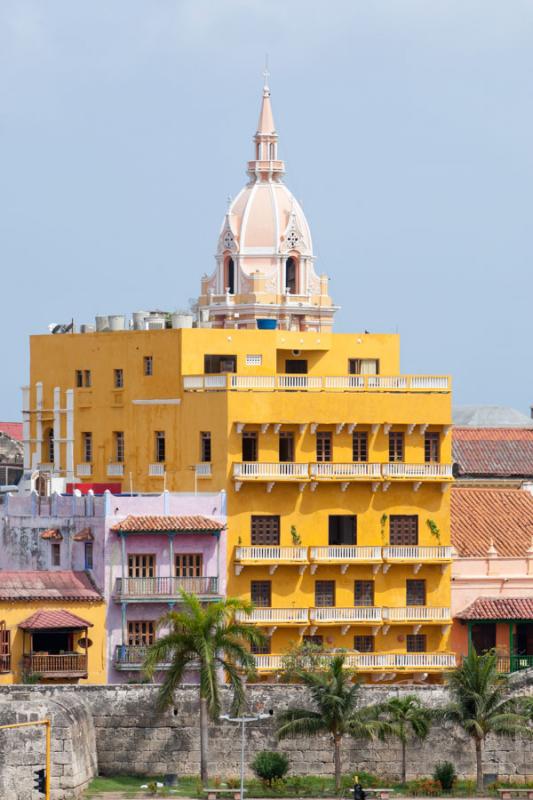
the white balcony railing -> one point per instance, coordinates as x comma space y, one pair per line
350, 470
156, 470
425, 660
203, 470
275, 616
272, 554
417, 554
417, 614
346, 615
411, 471
45, 466
283, 470
365, 662
115, 470
347, 383
345, 553
84, 470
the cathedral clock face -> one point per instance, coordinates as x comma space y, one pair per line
228, 239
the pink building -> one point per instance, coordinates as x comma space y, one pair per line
492, 573
139, 550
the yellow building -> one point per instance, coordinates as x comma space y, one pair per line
336, 465
52, 628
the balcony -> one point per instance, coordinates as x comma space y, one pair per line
270, 473
271, 556
508, 664
84, 470
417, 472
317, 383
417, 556
69, 665
373, 662
132, 657
346, 617
331, 471
344, 555
417, 616
115, 470
272, 617
203, 470
162, 589
156, 470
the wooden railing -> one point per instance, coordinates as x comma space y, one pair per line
66, 664
272, 554
514, 663
346, 553
165, 586
345, 383
350, 614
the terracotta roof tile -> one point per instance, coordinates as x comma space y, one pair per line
41, 585
503, 516
52, 534
85, 535
501, 452
12, 429
499, 608
54, 619
191, 524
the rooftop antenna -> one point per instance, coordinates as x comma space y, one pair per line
266, 73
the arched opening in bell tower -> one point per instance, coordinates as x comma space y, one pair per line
229, 275
291, 275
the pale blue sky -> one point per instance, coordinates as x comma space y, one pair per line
124, 125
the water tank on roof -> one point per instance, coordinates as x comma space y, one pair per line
182, 319
138, 320
117, 322
102, 323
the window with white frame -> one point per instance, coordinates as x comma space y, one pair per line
254, 360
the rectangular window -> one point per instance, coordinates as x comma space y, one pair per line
403, 529
249, 446
5, 648
342, 529
363, 644
79, 378
363, 593
88, 555
160, 446
188, 565
148, 365
214, 365
262, 649
415, 593
431, 448
396, 446
323, 446
363, 366
416, 642
296, 366
87, 446
55, 554
316, 640
360, 446
254, 360
118, 378
141, 565
118, 444
325, 593
286, 446
265, 530
261, 593
87, 378
205, 446
141, 633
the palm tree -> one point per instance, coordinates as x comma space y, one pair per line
335, 699
407, 717
209, 639
481, 703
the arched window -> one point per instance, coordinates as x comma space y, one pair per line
229, 277
290, 275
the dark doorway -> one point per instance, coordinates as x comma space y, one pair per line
524, 639
484, 637
52, 642
296, 366
342, 529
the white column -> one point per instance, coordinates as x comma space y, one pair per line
57, 429
38, 453
26, 427
70, 435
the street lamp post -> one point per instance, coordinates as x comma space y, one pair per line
242, 722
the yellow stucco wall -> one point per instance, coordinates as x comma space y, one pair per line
15, 612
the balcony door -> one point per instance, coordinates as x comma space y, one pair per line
188, 565
141, 565
51, 642
483, 637
296, 366
342, 529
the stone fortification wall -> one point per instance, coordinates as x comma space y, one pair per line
118, 727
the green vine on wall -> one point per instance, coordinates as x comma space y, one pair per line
383, 522
295, 536
434, 529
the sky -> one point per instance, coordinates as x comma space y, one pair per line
407, 131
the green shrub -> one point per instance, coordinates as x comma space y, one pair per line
445, 774
233, 783
270, 766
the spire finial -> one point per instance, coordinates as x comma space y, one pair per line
266, 76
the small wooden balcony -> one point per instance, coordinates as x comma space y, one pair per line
67, 665
344, 555
164, 589
271, 557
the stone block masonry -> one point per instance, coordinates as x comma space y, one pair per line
117, 730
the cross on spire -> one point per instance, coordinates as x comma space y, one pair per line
266, 73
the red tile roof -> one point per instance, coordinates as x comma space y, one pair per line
54, 619
497, 452
52, 534
499, 608
12, 429
482, 516
187, 524
41, 585
85, 535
